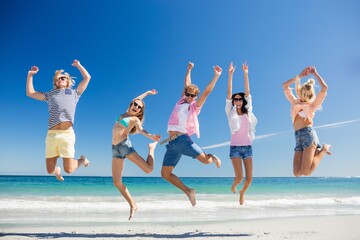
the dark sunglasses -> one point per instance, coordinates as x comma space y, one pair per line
237, 99
190, 95
62, 78
137, 105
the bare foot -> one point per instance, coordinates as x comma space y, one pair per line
58, 174
132, 212
84, 161
216, 160
241, 200
152, 146
191, 196
326, 148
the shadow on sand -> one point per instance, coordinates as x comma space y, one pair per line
124, 236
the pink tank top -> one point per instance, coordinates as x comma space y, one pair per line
242, 137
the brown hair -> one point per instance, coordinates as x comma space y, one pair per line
140, 115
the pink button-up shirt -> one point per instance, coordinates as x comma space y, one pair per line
309, 108
192, 124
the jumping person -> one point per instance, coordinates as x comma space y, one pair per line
308, 152
62, 101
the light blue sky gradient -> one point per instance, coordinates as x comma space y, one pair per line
129, 47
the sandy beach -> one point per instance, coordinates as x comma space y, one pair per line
319, 228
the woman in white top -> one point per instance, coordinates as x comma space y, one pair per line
242, 126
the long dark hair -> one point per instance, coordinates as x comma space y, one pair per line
243, 108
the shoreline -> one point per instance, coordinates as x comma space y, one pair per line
344, 227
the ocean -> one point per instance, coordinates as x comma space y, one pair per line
39, 200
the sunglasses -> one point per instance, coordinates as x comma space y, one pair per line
237, 99
137, 105
190, 95
61, 78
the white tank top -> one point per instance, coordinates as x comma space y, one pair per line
182, 115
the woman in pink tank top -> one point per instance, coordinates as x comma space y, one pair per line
242, 124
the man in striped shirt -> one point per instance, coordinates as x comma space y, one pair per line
62, 100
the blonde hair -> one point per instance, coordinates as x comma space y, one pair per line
70, 80
140, 116
305, 92
192, 88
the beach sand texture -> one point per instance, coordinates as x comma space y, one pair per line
317, 228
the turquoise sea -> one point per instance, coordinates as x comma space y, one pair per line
38, 200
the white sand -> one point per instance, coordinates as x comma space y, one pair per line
316, 228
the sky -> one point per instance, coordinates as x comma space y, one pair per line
129, 47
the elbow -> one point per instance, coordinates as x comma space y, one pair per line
324, 88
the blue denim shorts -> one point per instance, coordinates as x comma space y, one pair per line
122, 149
304, 137
241, 152
182, 145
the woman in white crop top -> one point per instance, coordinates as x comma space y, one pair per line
308, 152
242, 124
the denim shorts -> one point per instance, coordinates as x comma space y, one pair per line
304, 137
122, 149
182, 145
241, 152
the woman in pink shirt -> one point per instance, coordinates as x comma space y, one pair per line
182, 124
242, 124
308, 152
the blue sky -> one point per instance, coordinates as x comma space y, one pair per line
129, 47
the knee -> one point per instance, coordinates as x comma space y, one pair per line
238, 180
50, 170
165, 174
306, 172
68, 169
297, 173
118, 183
248, 180
149, 170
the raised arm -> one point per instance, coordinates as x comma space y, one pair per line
296, 79
245, 68
324, 87
141, 130
30, 91
209, 87
84, 73
187, 80
147, 93
230, 79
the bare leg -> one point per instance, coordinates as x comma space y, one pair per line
166, 173
297, 163
71, 165
53, 169
248, 172
209, 158
117, 171
318, 157
238, 173
148, 165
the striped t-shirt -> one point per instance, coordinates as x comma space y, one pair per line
62, 105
